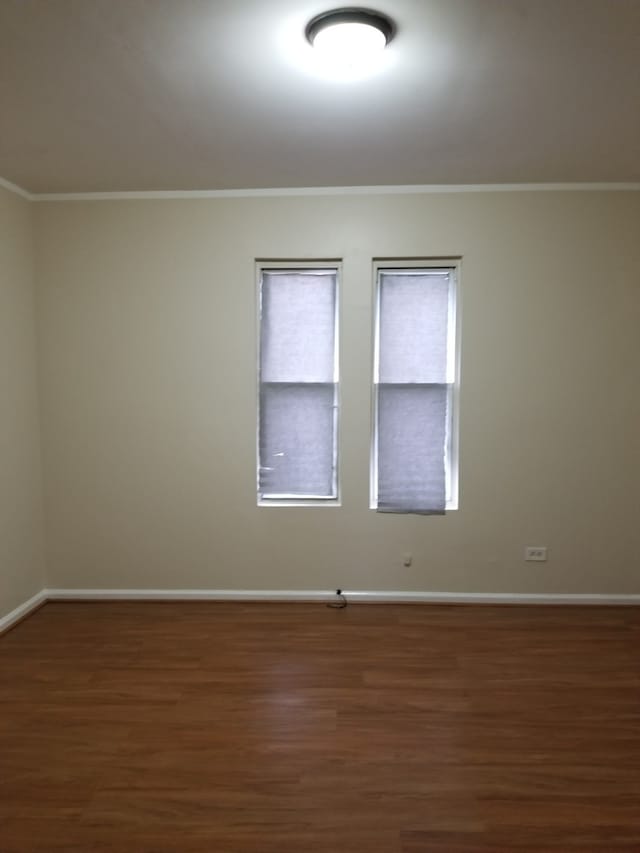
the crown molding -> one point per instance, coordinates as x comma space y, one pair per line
401, 189
14, 188
275, 192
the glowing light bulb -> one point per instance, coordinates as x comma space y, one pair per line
348, 43
349, 46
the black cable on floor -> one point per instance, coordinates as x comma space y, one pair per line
338, 605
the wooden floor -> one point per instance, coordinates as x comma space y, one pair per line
231, 728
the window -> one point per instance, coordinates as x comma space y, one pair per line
414, 449
298, 384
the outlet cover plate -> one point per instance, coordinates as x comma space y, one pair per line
535, 554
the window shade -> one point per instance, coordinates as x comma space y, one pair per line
413, 390
298, 385
296, 446
414, 315
411, 444
298, 320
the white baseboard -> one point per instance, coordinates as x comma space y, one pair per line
187, 595
353, 596
306, 595
22, 610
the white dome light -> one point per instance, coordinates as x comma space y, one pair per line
349, 42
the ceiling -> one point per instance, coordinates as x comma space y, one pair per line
126, 95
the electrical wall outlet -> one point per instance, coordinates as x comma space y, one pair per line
535, 553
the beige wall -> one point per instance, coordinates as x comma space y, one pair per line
21, 528
147, 317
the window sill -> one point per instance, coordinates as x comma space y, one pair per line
316, 503
448, 508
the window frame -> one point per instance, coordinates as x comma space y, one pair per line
292, 266
452, 447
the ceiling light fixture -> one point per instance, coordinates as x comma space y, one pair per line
350, 40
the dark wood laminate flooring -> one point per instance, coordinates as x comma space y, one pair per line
283, 728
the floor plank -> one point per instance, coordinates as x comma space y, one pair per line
188, 727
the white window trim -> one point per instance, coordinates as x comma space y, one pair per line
399, 265
274, 265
